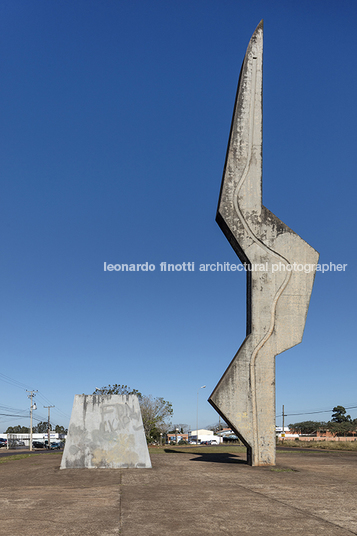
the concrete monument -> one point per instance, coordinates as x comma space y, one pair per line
105, 431
280, 273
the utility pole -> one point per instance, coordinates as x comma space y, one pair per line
203, 387
32, 407
283, 433
49, 427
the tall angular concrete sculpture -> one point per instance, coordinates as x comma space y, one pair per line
105, 431
278, 291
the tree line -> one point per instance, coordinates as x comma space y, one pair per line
339, 425
40, 428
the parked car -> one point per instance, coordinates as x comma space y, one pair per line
38, 445
3, 442
57, 445
17, 443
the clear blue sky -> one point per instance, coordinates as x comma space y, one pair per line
115, 118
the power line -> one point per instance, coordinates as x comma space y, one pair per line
24, 387
10, 408
315, 412
51, 403
9, 420
12, 415
13, 382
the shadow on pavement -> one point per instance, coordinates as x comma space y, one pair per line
215, 457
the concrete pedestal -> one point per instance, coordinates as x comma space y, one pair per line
106, 431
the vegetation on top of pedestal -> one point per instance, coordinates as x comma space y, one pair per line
117, 389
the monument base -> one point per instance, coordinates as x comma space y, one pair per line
105, 431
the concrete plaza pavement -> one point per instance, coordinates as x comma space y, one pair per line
310, 493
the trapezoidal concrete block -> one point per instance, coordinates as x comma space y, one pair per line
105, 431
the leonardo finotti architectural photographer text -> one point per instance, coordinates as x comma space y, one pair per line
226, 267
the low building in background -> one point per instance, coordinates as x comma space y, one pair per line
204, 436
286, 433
174, 437
23, 440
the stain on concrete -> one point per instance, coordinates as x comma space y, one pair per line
106, 431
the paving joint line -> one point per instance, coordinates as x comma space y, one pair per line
120, 502
298, 509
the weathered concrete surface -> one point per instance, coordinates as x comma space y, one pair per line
309, 494
281, 269
37, 499
305, 494
106, 431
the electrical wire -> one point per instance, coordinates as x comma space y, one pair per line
55, 408
13, 382
24, 387
314, 412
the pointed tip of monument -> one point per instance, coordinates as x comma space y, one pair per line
259, 27
257, 36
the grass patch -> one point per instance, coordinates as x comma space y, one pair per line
239, 449
323, 445
283, 470
15, 457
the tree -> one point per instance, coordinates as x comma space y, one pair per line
182, 428
341, 428
339, 416
341, 424
60, 429
307, 427
41, 428
218, 426
155, 413
17, 430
